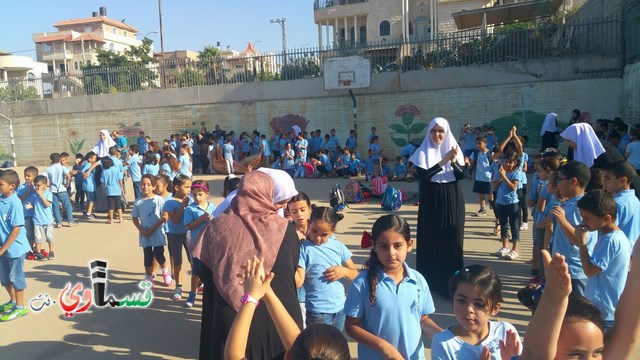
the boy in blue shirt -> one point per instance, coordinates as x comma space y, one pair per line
400, 170
385, 169
41, 201
323, 164
135, 173
23, 191
89, 183
13, 247
367, 167
354, 165
618, 176
607, 264
59, 177
571, 180
480, 159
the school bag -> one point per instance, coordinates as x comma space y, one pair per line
353, 192
392, 199
379, 185
309, 169
336, 198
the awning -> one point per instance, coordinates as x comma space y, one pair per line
506, 14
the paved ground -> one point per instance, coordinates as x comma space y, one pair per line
168, 330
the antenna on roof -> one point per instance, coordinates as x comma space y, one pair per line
122, 21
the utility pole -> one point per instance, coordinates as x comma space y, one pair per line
164, 82
283, 24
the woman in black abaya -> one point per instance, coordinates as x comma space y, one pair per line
439, 164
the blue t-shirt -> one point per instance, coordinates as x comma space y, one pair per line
121, 142
396, 315
562, 245
505, 195
227, 151
523, 160
375, 151
368, 166
317, 143
245, 145
144, 146
611, 254
334, 142
149, 211
325, 160
192, 213
634, 153
28, 206
172, 206
111, 179
166, 168
12, 216
351, 142
152, 169
266, 150
78, 175
42, 215
287, 163
469, 141
302, 145
323, 296
540, 215
446, 345
354, 165
89, 183
385, 169
134, 167
482, 165
400, 170
492, 140
56, 173
186, 165
408, 150
628, 207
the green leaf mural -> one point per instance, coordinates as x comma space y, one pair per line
406, 126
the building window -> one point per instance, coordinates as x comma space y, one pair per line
239, 66
124, 33
363, 35
385, 28
88, 63
46, 47
111, 46
114, 31
76, 66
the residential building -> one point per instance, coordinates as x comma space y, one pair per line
19, 67
76, 40
249, 60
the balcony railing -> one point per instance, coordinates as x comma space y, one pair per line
321, 4
471, 47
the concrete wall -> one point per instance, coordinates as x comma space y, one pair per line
500, 94
631, 100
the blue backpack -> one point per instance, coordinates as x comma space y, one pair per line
392, 199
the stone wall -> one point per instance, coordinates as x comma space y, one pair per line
631, 111
503, 95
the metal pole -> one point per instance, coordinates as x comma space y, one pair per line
355, 111
13, 147
164, 82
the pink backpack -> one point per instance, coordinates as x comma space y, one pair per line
309, 169
379, 185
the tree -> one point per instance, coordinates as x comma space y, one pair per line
189, 77
212, 60
17, 92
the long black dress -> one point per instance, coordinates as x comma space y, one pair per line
440, 228
218, 316
550, 140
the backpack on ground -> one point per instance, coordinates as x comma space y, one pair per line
336, 198
379, 185
392, 199
353, 192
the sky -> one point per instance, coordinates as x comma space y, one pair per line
187, 24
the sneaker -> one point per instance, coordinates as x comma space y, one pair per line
177, 295
167, 279
57, 226
482, 212
502, 252
91, 216
14, 314
72, 224
51, 255
524, 226
191, 299
6, 307
30, 256
512, 255
40, 257
45, 253
200, 289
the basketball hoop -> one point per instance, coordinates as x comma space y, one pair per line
345, 83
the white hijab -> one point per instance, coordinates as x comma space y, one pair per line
549, 124
102, 147
588, 146
430, 154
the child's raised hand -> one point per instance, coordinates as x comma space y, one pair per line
558, 280
206, 216
256, 282
511, 346
581, 233
557, 212
502, 171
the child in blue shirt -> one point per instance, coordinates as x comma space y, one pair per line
388, 304
41, 201
400, 170
228, 152
480, 168
367, 167
354, 167
13, 247
507, 203
151, 166
135, 173
539, 196
385, 169
323, 166
572, 178
324, 261
111, 178
618, 176
89, 183
59, 177
23, 191
185, 161
299, 165
77, 179
607, 265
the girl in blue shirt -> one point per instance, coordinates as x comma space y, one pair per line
324, 261
388, 305
111, 178
185, 161
151, 166
507, 203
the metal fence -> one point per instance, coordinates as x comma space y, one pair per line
464, 48
632, 32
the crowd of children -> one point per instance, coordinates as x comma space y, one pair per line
586, 217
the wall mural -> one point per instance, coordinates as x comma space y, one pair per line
285, 122
407, 130
75, 143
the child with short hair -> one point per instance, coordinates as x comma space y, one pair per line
323, 164
59, 178
301, 160
41, 201
354, 167
151, 166
13, 246
385, 169
23, 191
78, 202
606, 266
227, 153
89, 183
480, 160
111, 178
571, 180
324, 262
538, 197
384, 324
367, 167
476, 296
507, 203
618, 177
135, 173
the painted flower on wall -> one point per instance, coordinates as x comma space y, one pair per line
130, 132
75, 143
407, 128
284, 123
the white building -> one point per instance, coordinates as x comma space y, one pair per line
76, 40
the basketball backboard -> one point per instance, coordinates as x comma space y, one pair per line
343, 73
